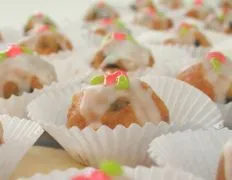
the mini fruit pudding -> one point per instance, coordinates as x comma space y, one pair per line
99, 11
22, 71
212, 75
172, 4
121, 51
225, 163
220, 20
46, 40
106, 26
140, 4
190, 35
152, 19
38, 19
226, 4
116, 99
199, 10
109, 170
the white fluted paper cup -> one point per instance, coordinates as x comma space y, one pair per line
19, 135
155, 38
197, 152
167, 173
226, 110
188, 108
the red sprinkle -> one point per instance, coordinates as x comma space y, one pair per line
43, 29
151, 11
81, 177
199, 2
216, 55
13, 51
112, 78
39, 14
106, 21
119, 36
98, 175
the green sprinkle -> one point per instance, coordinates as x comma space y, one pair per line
97, 80
120, 24
26, 50
123, 83
3, 56
183, 31
130, 38
216, 65
111, 168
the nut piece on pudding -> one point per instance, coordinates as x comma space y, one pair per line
105, 26
38, 19
99, 11
224, 171
115, 99
21, 71
188, 34
121, 51
140, 4
46, 40
152, 19
212, 75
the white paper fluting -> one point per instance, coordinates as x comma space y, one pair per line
197, 152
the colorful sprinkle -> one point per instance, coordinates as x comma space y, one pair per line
216, 59
198, 2
111, 79
107, 21
150, 11
39, 14
216, 55
123, 83
184, 28
80, 177
99, 175
13, 51
112, 168
2, 56
97, 80
46, 28
100, 3
119, 36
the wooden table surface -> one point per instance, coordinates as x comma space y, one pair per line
43, 160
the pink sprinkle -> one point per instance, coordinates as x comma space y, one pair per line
198, 2
100, 3
216, 55
13, 51
107, 21
80, 178
119, 36
112, 78
43, 29
150, 11
39, 14
98, 175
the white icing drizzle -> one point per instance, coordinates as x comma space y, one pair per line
109, 28
132, 55
19, 69
228, 161
97, 99
221, 81
148, 20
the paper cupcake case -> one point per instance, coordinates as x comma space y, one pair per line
226, 110
197, 152
19, 136
188, 108
168, 173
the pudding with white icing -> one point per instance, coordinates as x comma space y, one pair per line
121, 51
114, 99
212, 75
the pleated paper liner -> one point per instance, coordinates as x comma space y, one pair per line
15, 105
139, 173
197, 152
19, 136
188, 108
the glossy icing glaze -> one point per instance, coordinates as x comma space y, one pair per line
97, 100
18, 69
131, 54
